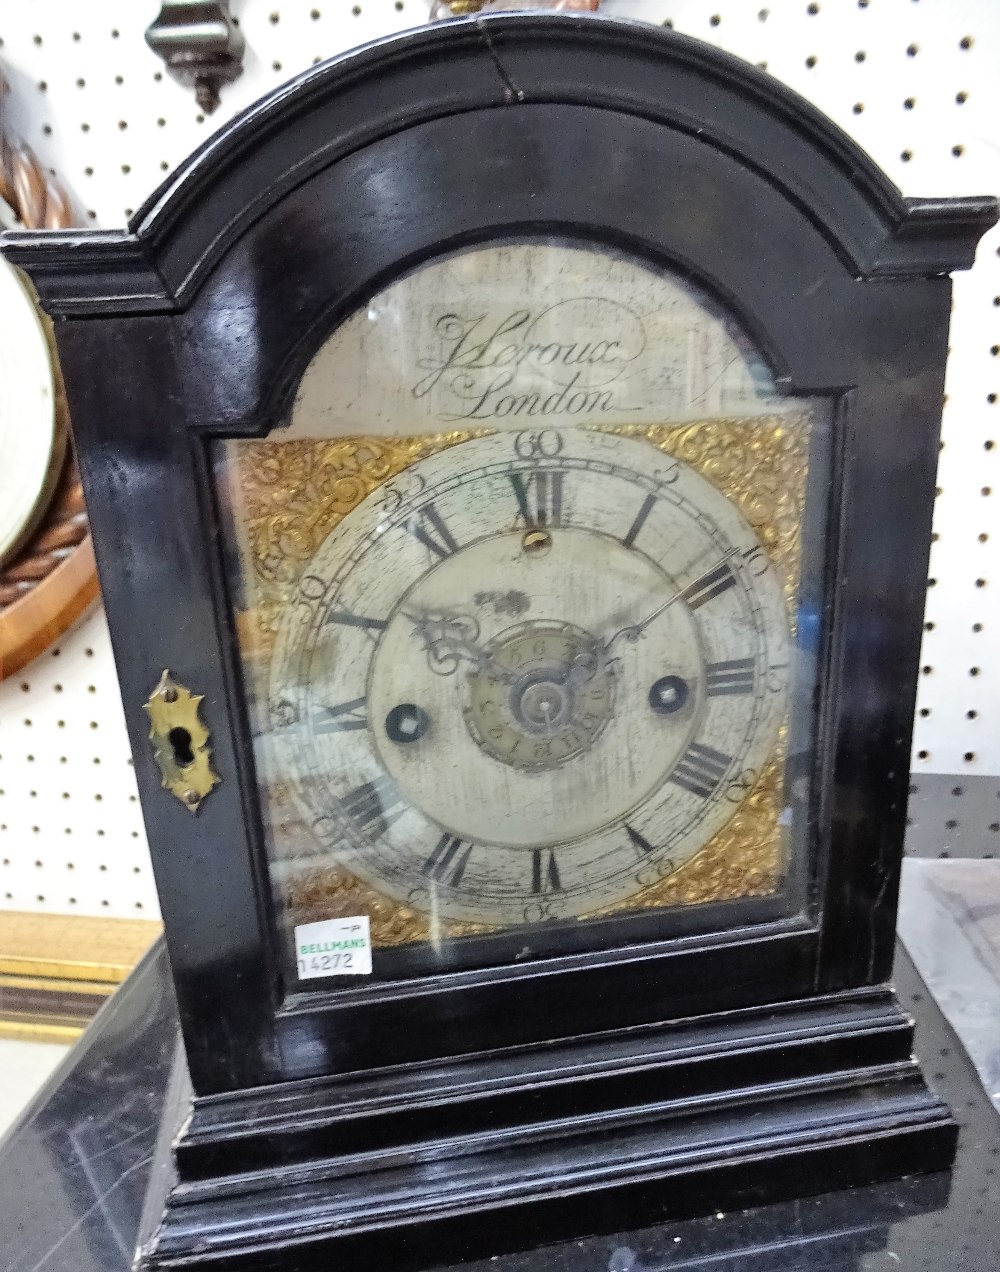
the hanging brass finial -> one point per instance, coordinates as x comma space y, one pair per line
201, 45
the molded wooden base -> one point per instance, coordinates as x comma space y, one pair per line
500, 1151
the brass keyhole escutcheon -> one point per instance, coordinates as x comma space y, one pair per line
180, 742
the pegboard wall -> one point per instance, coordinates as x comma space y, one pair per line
914, 81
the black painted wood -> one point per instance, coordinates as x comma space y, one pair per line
353, 100
375, 1110
76, 1164
198, 322
499, 1151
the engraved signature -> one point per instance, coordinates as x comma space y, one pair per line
494, 369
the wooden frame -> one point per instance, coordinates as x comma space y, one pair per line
66, 585
209, 308
56, 970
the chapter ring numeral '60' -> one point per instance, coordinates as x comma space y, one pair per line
546, 444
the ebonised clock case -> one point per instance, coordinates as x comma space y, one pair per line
203, 315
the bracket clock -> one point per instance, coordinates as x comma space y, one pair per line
510, 451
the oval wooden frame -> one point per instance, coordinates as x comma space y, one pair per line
47, 610
33, 624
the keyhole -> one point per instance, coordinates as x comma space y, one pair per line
180, 740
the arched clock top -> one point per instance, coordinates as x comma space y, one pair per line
635, 138
510, 62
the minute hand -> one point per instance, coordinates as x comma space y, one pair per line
635, 630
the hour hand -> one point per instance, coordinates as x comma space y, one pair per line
450, 639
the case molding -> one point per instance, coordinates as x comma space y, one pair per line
499, 1151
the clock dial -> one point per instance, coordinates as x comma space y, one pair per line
32, 442
529, 677
514, 583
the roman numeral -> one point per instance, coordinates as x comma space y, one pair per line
373, 806
709, 585
700, 769
447, 862
724, 678
346, 619
428, 527
640, 521
342, 718
539, 499
544, 875
639, 842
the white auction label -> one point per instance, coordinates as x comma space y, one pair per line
335, 947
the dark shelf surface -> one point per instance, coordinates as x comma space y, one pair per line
74, 1171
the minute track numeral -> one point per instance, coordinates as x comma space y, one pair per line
710, 585
700, 769
373, 806
447, 862
640, 520
539, 498
544, 873
342, 718
732, 677
428, 527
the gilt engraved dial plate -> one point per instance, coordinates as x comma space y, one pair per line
537, 670
517, 586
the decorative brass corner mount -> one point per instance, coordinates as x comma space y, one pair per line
180, 742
